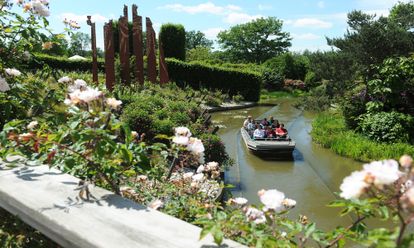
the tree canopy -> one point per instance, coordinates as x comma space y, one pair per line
369, 40
194, 39
255, 41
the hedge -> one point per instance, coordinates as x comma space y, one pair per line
62, 63
199, 75
172, 37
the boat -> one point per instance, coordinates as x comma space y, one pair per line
269, 147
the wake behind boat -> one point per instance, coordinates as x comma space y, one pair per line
267, 139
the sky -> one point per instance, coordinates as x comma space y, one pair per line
307, 21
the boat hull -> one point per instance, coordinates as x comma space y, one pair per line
267, 147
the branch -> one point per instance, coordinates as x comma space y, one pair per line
333, 242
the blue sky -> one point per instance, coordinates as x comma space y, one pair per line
308, 21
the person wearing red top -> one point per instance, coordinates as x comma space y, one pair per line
281, 131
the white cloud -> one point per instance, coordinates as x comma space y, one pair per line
378, 4
378, 12
321, 4
306, 36
309, 23
238, 18
81, 19
212, 33
264, 7
207, 7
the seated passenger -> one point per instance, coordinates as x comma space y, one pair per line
264, 123
271, 121
251, 126
247, 121
258, 133
270, 133
281, 131
276, 124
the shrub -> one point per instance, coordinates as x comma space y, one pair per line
272, 80
316, 100
172, 37
387, 126
199, 75
138, 119
290, 84
289, 65
353, 106
215, 149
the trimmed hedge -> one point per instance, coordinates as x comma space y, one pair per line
199, 75
62, 63
172, 37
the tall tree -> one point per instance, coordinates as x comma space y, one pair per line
194, 39
369, 40
255, 41
79, 44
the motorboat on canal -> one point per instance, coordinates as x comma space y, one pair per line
269, 147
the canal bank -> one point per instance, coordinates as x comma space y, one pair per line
311, 178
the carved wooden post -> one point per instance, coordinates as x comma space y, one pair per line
109, 56
94, 55
137, 41
151, 59
124, 49
164, 78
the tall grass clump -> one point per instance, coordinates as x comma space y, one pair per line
329, 130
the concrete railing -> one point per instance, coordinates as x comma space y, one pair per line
46, 200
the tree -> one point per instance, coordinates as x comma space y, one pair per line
173, 40
255, 41
194, 39
370, 40
198, 53
79, 44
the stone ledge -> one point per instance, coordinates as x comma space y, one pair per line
45, 199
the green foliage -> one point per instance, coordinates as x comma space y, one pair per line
198, 54
199, 75
215, 149
291, 66
64, 64
335, 67
354, 105
173, 38
317, 99
370, 40
196, 39
79, 44
255, 41
387, 126
330, 131
392, 87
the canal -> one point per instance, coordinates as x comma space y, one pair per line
312, 178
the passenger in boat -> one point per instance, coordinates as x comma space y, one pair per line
276, 124
271, 121
258, 133
281, 131
247, 121
264, 123
270, 133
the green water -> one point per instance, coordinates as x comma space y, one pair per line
311, 178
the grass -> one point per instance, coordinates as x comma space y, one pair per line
329, 130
